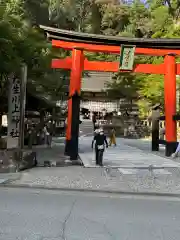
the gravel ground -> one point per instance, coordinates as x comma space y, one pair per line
100, 179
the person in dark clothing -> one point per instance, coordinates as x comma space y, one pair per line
100, 142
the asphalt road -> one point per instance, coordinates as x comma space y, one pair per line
54, 215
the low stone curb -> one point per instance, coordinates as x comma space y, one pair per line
42, 187
65, 163
7, 178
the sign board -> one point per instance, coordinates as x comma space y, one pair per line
93, 94
13, 114
16, 110
127, 57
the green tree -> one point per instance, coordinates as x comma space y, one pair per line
70, 14
157, 19
21, 42
37, 11
123, 85
115, 18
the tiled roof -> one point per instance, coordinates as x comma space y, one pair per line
95, 81
77, 37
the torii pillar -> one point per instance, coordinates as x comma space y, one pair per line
72, 131
170, 103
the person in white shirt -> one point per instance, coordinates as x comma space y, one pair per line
47, 136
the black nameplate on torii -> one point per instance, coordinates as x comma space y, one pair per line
175, 118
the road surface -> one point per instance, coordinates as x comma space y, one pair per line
54, 215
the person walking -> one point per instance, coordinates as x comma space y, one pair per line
125, 132
50, 129
100, 142
48, 135
112, 137
162, 133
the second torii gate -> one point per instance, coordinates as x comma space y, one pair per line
77, 63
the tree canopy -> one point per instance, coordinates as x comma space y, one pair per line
22, 41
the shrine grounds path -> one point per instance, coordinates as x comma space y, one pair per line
126, 171
129, 168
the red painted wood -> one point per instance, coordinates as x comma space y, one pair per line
76, 66
114, 67
111, 49
169, 68
66, 64
62, 63
108, 66
170, 97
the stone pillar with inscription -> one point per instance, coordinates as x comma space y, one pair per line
13, 113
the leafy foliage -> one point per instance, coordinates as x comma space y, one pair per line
21, 40
156, 19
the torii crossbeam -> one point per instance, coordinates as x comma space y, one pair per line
78, 43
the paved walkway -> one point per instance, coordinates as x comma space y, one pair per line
124, 156
127, 175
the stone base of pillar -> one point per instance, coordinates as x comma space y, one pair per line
74, 157
170, 148
74, 148
67, 148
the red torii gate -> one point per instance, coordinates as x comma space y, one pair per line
79, 43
